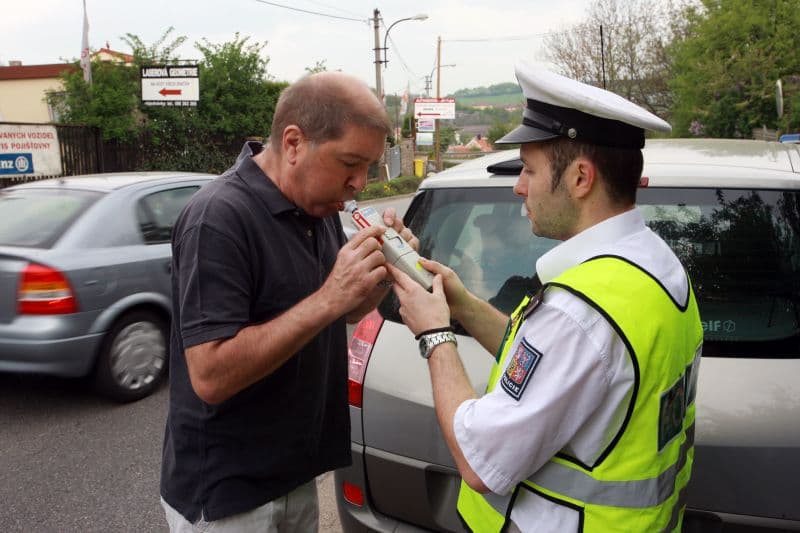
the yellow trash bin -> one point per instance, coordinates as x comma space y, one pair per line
419, 168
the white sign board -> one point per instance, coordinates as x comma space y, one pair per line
424, 139
440, 108
28, 150
170, 85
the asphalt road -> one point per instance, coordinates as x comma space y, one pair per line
73, 462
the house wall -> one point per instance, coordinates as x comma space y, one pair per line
24, 100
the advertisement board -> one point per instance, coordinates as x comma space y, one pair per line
29, 150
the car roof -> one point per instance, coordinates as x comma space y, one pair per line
668, 163
111, 181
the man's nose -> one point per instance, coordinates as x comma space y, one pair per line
520, 188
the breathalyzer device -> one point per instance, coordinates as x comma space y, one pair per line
396, 250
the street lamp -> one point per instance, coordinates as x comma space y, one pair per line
376, 25
429, 78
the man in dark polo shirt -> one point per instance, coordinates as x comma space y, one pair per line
263, 281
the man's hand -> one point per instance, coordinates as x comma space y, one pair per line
421, 310
358, 269
456, 293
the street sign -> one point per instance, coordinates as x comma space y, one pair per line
426, 124
437, 108
424, 139
177, 85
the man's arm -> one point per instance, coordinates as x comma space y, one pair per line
221, 368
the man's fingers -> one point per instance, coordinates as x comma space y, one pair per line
400, 277
372, 232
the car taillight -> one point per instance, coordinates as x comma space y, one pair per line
358, 353
44, 291
353, 493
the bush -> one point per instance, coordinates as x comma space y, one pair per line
382, 189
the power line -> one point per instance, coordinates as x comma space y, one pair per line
311, 12
516, 37
323, 4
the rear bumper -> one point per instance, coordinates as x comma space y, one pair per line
419, 492
49, 345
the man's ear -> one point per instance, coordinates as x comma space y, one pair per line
292, 142
585, 177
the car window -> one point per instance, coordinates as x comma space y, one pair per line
36, 218
157, 213
742, 251
484, 236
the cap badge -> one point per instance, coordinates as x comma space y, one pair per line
572, 133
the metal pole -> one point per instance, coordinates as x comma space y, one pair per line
602, 56
377, 25
437, 152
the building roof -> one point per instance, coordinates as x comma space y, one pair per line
119, 56
30, 72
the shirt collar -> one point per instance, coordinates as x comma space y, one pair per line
261, 185
588, 243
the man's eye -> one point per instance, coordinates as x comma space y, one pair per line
350, 164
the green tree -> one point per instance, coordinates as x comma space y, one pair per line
726, 68
112, 101
237, 101
319, 66
498, 130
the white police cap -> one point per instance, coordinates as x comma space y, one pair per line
561, 107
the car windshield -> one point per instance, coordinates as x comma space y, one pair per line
740, 247
482, 234
36, 218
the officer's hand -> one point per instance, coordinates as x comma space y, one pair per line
454, 289
395, 222
358, 269
421, 310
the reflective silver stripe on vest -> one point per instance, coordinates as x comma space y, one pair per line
641, 493
498, 503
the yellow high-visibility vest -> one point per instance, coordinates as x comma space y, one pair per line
638, 483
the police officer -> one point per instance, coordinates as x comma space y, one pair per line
587, 422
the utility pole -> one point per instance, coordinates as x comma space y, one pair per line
377, 25
436, 151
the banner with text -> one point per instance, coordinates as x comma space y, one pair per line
29, 150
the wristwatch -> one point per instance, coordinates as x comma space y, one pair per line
430, 341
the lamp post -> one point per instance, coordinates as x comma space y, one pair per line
376, 24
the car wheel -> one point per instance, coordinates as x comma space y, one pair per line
133, 357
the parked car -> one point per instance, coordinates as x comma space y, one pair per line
85, 277
730, 209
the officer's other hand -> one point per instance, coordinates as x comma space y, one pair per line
359, 266
454, 288
421, 310
395, 222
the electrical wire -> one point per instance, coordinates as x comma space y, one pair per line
517, 37
311, 12
323, 4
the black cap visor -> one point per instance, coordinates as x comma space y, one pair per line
526, 134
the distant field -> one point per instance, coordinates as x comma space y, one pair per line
497, 100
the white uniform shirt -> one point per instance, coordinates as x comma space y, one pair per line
577, 394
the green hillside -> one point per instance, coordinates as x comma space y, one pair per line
496, 100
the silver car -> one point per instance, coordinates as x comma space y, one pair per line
85, 277
731, 211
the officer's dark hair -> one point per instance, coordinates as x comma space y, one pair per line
322, 105
620, 168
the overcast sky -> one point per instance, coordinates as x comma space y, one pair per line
482, 39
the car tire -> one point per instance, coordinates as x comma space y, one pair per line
133, 357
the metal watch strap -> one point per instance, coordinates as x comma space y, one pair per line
430, 341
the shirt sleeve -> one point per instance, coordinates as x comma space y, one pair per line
213, 285
512, 431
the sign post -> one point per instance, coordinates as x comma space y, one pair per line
430, 111
175, 85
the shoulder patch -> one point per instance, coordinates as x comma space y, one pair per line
519, 371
